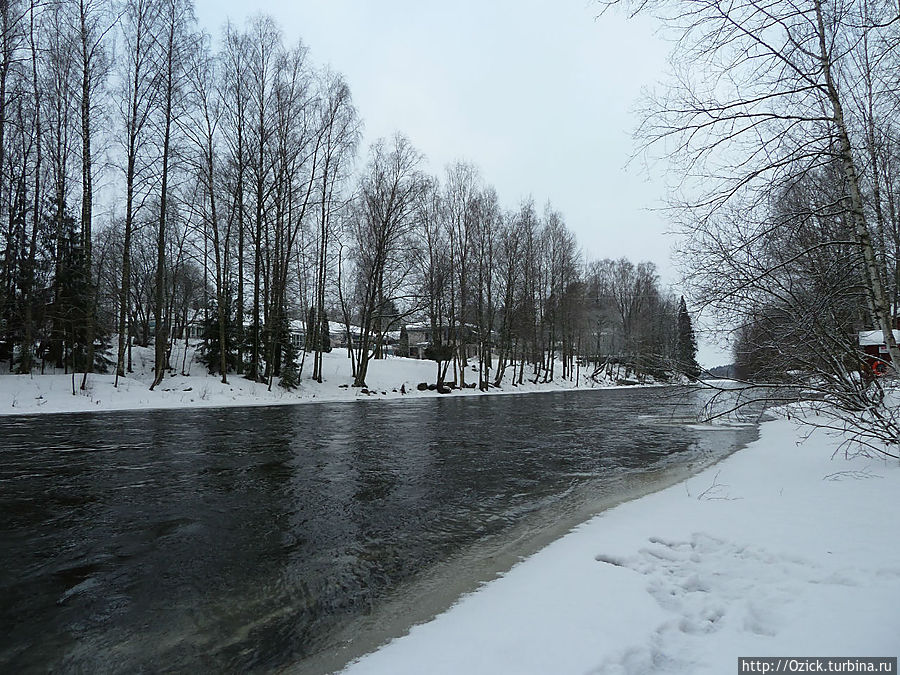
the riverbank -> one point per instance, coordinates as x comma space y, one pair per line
784, 548
388, 378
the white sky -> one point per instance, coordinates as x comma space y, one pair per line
538, 94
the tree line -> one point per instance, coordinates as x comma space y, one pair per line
781, 118
154, 179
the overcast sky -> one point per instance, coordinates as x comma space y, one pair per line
538, 94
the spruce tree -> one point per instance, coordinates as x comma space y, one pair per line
311, 341
209, 352
290, 375
686, 344
403, 347
324, 334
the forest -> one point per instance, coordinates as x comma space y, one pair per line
158, 182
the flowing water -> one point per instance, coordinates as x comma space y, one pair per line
295, 538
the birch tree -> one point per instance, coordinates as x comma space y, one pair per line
769, 99
94, 23
339, 131
173, 47
761, 98
388, 196
138, 96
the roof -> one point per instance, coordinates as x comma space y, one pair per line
874, 338
426, 325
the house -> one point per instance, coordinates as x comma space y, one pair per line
421, 336
297, 330
337, 333
194, 329
873, 345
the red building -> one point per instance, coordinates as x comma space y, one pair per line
873, 344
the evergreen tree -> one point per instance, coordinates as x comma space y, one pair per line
67, 305
311, 341
251, 332
403, 347
290, 375
686, 343
209, 350
324, 334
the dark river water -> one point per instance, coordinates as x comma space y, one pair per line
291, 539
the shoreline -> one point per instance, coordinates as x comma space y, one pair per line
487, 563
23, 395
754, 555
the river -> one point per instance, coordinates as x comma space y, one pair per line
294, 538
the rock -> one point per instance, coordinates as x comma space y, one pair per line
422, 386
444, 390
432, 387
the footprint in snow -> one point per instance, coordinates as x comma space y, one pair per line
710, 584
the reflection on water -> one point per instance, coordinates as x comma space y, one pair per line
236, 539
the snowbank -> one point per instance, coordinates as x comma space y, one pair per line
778, 550
388, 378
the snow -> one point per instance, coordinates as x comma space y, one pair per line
392, 377
875, 338
781, 549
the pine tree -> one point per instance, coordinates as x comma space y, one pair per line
290, 375
324, 334
311, 341
209, 350
403, 347
67, 305
686, 344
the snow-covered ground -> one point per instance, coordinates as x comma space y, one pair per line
779, 550
388, 378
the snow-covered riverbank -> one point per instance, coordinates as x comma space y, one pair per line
779, 550
389, 378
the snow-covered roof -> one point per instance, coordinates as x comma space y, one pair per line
299, 326
426, 325
338, 328
874, 338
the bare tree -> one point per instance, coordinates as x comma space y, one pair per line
264, 41
339, 130
388, 195
235, 56
93, 25
173, 47
13, 17
785, 96
28, 283
139, 91
203, 132
461, 191
435, 271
